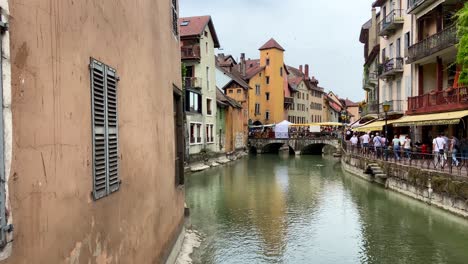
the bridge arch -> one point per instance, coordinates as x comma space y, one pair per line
275, 147
313, 149
257, 123
299, 146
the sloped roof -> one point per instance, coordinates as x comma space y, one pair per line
350, 103
235, 76
271, 44
294, 81
294, 71
226, 100
195, 26
252, 67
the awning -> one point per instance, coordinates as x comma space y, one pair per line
370, 116
330, 124
447, 118
319, 124
374, 126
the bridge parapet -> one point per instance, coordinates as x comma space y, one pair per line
296, 144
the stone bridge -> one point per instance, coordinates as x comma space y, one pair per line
296, 146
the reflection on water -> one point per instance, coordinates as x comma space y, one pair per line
282, 209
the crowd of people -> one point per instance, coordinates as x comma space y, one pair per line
295, 132
400, 148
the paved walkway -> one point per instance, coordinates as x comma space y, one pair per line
420, 160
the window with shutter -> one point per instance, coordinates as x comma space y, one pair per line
175, 18
105, 129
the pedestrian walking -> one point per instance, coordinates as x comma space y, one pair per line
378, 145
396, 147
354, 142
407, 147
438, 147
454, 148
365, 143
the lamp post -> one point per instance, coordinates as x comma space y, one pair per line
344, 117
386, 108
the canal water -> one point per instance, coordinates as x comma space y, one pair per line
286, 209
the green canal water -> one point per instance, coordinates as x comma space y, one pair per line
286, 209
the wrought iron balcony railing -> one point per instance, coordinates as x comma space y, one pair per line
369, 81
391, 22
372, 107
391, 67
433, 44
415, 6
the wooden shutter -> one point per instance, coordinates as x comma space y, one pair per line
99, 129
104, 124
112, 130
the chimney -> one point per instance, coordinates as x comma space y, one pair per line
242, 63
306, 71
300, 68
373, 30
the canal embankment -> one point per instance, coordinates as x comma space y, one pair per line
436, 188
204, 161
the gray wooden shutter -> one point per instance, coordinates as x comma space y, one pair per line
112, 130
99, 129
104, 124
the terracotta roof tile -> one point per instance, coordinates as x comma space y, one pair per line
271, 44
194, 26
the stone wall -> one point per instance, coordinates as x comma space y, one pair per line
436, 188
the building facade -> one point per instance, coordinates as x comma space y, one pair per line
394, 30
268, 78
432, 57
371, 40
90, 122
235, 137
298, 112
198, 42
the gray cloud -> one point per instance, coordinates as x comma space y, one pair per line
322, 33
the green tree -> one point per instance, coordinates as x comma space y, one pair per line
462, 32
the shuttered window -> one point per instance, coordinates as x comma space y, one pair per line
175, 17
105, 129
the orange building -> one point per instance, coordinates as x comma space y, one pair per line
268, 78
231, 113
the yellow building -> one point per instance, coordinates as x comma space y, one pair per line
268, 78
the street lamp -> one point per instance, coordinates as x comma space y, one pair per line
386, 108
344, 117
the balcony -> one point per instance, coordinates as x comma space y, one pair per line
193, 82
190, 52
391, 67
396, 107
371, 108
416, 6
370, 81
288, 101
389, 24
444, 39
451, 99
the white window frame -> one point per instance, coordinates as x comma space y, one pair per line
210, 133
195, 132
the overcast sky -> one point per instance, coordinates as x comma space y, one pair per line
322, 33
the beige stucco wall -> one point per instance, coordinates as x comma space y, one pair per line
303, 91
50, 182
316, 112
388, 89
207, 59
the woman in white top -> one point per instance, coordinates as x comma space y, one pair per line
407, 147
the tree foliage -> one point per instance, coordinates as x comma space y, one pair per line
462, 33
